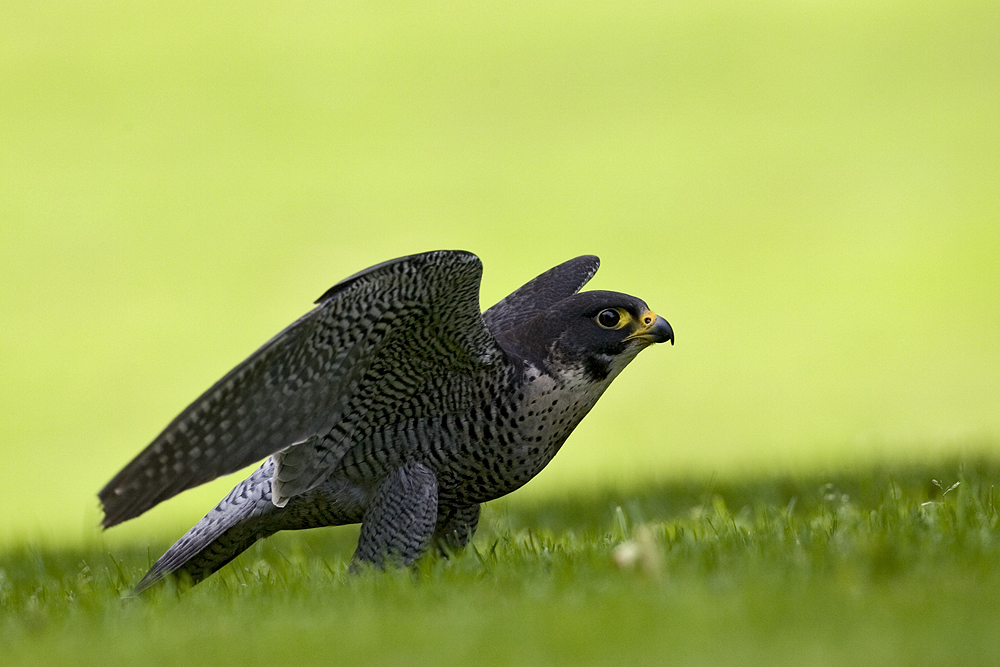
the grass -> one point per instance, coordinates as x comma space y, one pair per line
889, 566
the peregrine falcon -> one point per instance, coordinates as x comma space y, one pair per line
395, 403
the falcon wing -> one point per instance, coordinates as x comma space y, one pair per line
541, 293
297, 386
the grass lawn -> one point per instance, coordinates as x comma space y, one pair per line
885, 566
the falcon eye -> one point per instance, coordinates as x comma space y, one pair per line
609, 319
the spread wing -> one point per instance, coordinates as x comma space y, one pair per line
540, 294
424, 309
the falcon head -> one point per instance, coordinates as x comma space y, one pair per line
596, 333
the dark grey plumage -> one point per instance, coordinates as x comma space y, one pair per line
395, 403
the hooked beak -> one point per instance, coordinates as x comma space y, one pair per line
654, 329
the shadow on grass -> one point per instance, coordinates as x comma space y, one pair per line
866, 488
580, 513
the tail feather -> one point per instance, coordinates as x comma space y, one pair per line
246, 515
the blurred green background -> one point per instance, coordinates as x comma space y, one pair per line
807, 191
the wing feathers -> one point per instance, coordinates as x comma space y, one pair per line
299, 383
541, 293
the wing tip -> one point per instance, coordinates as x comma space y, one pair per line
595, 263
123, 499
114, 513
586, 265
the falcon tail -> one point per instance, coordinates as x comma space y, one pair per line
245, 516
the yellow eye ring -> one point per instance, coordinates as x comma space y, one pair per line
612, 318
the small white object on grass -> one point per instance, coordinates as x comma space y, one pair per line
641, 552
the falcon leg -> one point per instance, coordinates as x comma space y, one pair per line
398, 525
455, 527
247, 515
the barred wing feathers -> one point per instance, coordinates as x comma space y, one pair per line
424, 308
